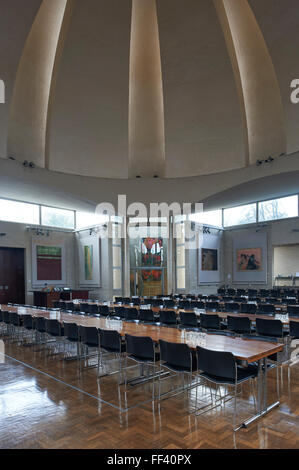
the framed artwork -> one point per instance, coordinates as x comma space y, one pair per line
249, 259
209, 259
48, 263
89, 261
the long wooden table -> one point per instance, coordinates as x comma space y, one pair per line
246, 350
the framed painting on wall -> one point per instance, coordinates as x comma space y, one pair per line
249, 259
209, 259
89, 261
48, 263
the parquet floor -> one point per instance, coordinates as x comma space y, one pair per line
37, 411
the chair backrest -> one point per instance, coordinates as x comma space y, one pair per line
93, 308
1, 316
146, 315
14, 319
294, 329
238, 324
53, 327
136, 301
269, 327
6, 316
248, 308
232, 307
168, 317
71, 331
126, 300
104, 310
131, 314
198, 304
266, 308
185, 304
209, 321
252, 292
293, 310
217, 363
84, 307
176, 354
188, 319
140, 347
118, 300
231, 291
119, 311
40, 324
110, 340
89, 335
214, 306
62, 305
56, 303
28, 322
169, 303
241, 291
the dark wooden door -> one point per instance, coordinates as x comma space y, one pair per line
12, 275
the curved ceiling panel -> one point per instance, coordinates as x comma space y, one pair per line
16, 20
88, 129
203, 122
262, 100
279, 22
29, 109
146, 112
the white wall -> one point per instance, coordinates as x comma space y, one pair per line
16, 236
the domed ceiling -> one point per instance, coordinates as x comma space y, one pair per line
167, 88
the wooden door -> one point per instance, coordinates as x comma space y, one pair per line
12, 275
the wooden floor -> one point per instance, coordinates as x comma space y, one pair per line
47, 403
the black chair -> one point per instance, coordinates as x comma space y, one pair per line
231, 291
185, 304
111, 342
169, 303
56, 303
131, 314
221, 368
241, 292
208, 322
126, 300
89, 339
252, 293
248, 308
84, 307
93, 309
227, 298
156, 302
141, 349
118, 300
188, 320
266, 309
104, 310
146, 316
15, 323
294, 329
273, 328
232, 307
221, 291
240, 325
293, 310
119, 312
198, 304
136, 301
168, 317
28, 327
178, 358
212, 306
71, 337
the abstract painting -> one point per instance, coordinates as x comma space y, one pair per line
88, 262
249, 259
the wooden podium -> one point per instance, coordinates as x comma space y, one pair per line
45, 299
